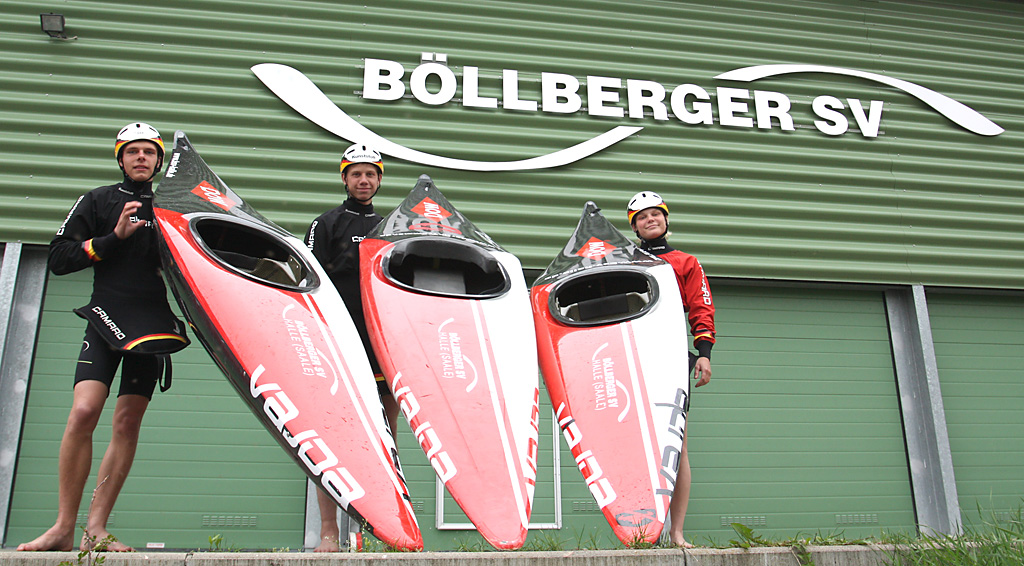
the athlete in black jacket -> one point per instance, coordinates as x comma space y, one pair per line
109, 229
334, 240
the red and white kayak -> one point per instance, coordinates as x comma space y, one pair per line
269, 316
611, 336
449, 316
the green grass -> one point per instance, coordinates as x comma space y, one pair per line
995, 542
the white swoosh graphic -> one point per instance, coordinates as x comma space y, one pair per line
327, 362
959, 113
629, 400
476, 374
297, 91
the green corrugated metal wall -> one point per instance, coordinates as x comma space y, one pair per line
978, 344
799, 430
924, 202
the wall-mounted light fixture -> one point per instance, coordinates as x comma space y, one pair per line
53, 25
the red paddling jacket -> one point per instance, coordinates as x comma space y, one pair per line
693, 284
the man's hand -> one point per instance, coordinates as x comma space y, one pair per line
125, 226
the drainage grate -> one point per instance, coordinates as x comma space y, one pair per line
748, 520
239, 521
857, 519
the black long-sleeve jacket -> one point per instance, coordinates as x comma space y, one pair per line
334, 240
126, 269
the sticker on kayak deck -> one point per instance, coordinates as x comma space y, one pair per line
425, 434
307, 446
210, 194
312, 361
433, 216
595, 249
600, 487
431, 226
637, 518
606, 387
431, 209
454, 364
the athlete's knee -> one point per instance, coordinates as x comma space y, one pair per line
126, 428
84, 416
85, 412
127, 419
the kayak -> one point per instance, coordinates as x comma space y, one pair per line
612, 343
449, 318
277, 328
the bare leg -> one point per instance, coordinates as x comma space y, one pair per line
329, 530
328, 523
114, 468
680, 497
73, 465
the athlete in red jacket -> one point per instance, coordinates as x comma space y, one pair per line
648, 216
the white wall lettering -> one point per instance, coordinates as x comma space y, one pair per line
434, 83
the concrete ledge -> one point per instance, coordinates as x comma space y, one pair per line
789, 556
852, 555
761, 556
13, 558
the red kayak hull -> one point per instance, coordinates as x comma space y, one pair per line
288, 353
617, 382
464, 371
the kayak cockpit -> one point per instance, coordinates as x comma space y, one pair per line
255, 254
446, 266
603, 297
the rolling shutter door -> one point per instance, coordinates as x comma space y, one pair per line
799, 430
978, 343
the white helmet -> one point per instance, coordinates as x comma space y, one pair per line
642, 201
134, 132
139, 131
361, 153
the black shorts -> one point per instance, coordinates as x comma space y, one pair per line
98, 362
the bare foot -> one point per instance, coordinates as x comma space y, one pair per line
104, 542
53, 539
682, 544
328, 544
